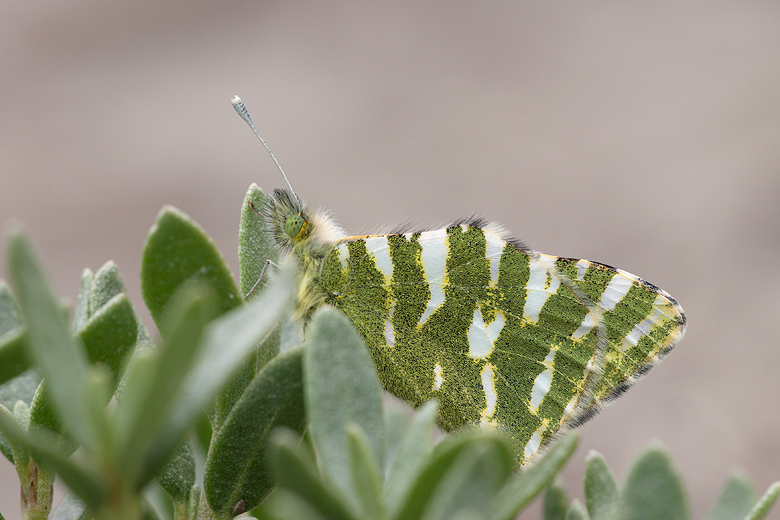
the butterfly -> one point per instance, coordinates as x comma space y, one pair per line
501, 335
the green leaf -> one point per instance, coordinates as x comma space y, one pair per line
157, 499
95, 394
341, 387
109, 335
233, 391
5, 448
229, 395
238, 467
178, 474
104, 288
396, 424
476, 474
365, 474
22, 415
13, 355
290, 334
10, 315
178, 250
226, 345
106, 284
194, 504
43, 414
555, 502
765, 503
736, 499
286, 505
202, 431
81, 312
255, 244
13, 338
148, 512
654, 489
601, 491
436, 465
530, 481
59, 360
83, 481
577, 511
411, 457
299, 476
153, 383
270, 348
17, 450
20, 388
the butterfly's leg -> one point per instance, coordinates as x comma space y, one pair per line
267, 262
262, 275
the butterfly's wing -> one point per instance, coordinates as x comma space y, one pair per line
500, 335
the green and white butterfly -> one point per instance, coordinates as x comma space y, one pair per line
501, 335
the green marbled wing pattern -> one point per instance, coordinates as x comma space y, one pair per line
500, 335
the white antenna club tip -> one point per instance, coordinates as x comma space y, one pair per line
242, 111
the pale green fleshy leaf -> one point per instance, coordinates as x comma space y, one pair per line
736, 499
476, 474
154, 381
576, 511
178, 250
238, 466
529, 482
365, 473
654, 489
555, 502
601, 491
255, 244
59, 359
13, 338
411, 457
81, 311
341, 387
299, 476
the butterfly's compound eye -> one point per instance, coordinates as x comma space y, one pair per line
293, 226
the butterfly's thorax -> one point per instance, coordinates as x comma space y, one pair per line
309, 291
310, 238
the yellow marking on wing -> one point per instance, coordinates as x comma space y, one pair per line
362, 237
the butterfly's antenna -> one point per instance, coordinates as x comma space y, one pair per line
241, 109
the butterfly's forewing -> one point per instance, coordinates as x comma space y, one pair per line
500, 335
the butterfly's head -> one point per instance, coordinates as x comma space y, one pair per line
287, 219
294, 228
285, 215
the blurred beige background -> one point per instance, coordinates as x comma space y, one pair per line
645, 135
